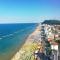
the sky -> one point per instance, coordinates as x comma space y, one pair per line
28, 11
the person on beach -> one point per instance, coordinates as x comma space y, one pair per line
39, 53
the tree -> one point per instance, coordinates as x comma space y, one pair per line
48, 48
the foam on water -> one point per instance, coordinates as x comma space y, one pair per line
0, 38
12, 37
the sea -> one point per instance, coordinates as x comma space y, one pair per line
12, 37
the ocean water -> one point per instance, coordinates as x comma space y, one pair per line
12, 36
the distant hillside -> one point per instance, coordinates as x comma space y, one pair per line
51, 22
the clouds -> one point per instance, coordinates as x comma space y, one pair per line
26, 19
17, 19
18, 11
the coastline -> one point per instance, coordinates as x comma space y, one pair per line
28, 47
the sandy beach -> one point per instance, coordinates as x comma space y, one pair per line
30, 45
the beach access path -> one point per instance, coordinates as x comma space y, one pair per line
30, 45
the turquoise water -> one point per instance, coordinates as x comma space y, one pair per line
12, 36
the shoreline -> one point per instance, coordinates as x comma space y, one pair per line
26, 48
